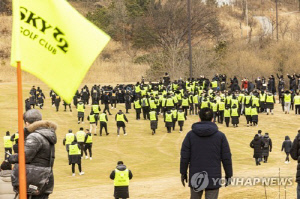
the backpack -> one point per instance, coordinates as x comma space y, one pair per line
266, 143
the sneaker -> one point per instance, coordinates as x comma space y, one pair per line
81, 173
152, 132
73, 174
267, 113
125, 133
91, 158
247, 125
78, 122
180, 131
86, 157
82, 122
107, 134
118, 135
286, 162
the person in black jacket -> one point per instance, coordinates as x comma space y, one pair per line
40, 138
267, 147
287, 145
203, 150
295, 154
57, 102
257, 144
121, 191
27, 105
106, 101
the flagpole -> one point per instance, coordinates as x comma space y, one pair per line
22, 170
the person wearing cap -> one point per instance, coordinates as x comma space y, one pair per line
120, 119
8, 144
88, 143
121, 176
80, 136
69, 138
6, 189
75, 157
80, 110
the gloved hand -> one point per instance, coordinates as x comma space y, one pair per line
184, 178
228, 181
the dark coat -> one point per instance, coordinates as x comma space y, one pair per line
257, 144
204, 149
121, 191
267, 145
287, 144
39, 136
295, 154
127, 102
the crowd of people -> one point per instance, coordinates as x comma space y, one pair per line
174, 101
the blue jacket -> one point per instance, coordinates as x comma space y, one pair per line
204, 149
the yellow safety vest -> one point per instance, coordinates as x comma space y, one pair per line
255, 101
92, 118
70, 137
181, 116
80, 108
287, 98
234, 102
7, 142
137, 104
297, 100
120, 118
227, 113
247, 99
169, 117
175, 99
204, 104
248, 111
145, 101
214, 107
74, 150
254, 111
228, 99
262, 97
270, 99
121, 178
185, 102
195, 99
174, 112
241, 97
95, 109
170, 102
89, 139
234, 112
137, 89
80, 136
214, 84
179, 96
221, 106
103, 117
152, 116
152, 104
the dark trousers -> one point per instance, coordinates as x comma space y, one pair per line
266, 158
44, 196
196, 109
69, 105
73, 167
191, 109
297, 109
180, 123
118, 130
138, 114
221, 117
146, 113
113, 103
209, 194
106, 108
103, 125
9, 150
81, 144
185, 109
80, 118
257, 161
174, 123
88, 147
169, 129
227, 120
249, 119
215, 114
57, 107
287, 156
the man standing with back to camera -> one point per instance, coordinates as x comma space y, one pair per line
203, 150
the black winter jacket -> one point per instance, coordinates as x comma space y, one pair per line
204, 149
295, 154
287, 144
38, 137
257, 144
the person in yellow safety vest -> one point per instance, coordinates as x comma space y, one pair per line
93, 119
270, 101
120, 119
191, 103
221, 109
235, 116
153, 103
179, 97
96, 109
255, 101
204, 103
138, 108
174, 112
175, 100
185, 104
121, 176
103, 122
137, 89
169, 103
145, 107
214, 85
80, 110
247, 99
15, 138
241, 102
181, 117
80, 135
227, 113
214, 108
254, 115
69, 138
262, 101
196, 100
297, 103
287, 99
8, 144
75, 157
234, 101
248, 115
168, 119
88, 143
228, 99
153, 120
